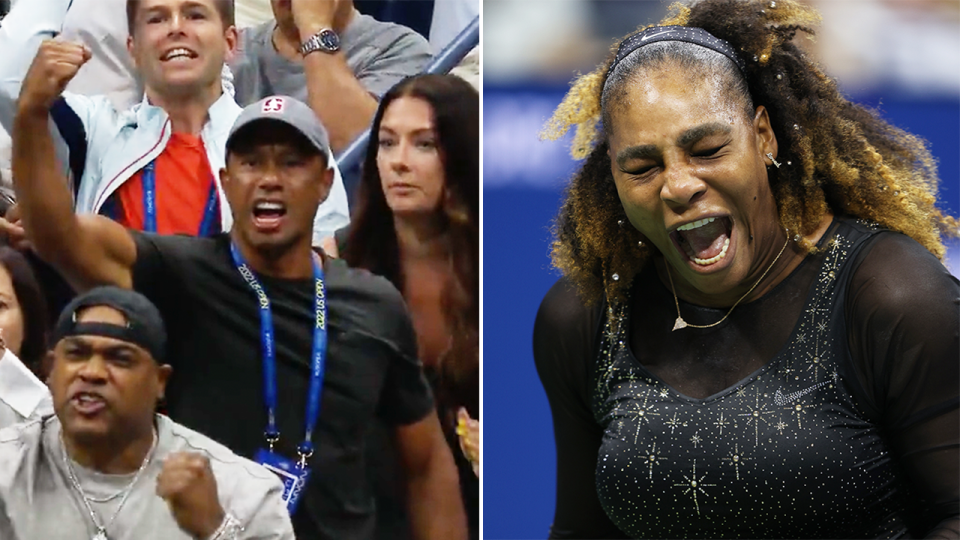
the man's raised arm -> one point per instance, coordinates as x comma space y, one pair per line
88, 250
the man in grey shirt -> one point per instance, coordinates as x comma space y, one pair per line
330, 56
106, 466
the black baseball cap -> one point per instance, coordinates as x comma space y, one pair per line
144, 326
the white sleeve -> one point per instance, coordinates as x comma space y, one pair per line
333, 214
22, 31
271, 521
22, 394
72, 119
102, 26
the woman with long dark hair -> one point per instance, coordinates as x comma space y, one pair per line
417, 224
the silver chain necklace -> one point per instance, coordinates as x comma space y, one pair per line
101, 533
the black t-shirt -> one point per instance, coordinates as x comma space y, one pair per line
828, 408
213, 323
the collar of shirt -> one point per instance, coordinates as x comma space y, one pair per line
21, 389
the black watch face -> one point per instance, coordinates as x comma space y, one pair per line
330, 40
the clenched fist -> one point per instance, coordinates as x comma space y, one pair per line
190, 489
55, 65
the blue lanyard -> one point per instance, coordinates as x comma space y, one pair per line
150, 204
318, 355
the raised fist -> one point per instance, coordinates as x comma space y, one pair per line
190, 489
55, 65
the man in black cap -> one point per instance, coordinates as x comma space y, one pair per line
106, 466
280, 356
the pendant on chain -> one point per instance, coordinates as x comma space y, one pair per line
679, 324
101, 535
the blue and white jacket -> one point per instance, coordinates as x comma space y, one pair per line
100, 147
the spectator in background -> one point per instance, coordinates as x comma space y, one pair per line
330, 56
172, 142
342, 334
102, 26
171, 482
23, 325
417, 224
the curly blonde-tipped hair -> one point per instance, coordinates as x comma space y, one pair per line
844, 158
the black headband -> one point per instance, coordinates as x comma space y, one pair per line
688, 34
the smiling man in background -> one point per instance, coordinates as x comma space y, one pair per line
151, 168
332, 57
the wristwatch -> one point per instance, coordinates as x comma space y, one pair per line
325, 40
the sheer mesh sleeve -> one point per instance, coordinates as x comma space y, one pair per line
903, 312
563, 348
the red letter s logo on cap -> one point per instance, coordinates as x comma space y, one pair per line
273, 105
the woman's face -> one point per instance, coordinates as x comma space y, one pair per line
690, 171
11, 318
408, 157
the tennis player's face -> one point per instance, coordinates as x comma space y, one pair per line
689, 166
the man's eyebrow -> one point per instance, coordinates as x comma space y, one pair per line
166, 9
121, 346
76, 340
644, 151
696, 133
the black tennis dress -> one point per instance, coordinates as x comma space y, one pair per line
838, 416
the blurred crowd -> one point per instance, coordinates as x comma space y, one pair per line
863, 43
183, 262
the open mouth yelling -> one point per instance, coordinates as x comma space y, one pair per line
705, 242
88, 403
268, 215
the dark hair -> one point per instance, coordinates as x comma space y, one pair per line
33, 306
372, 240
224, 7
840, 156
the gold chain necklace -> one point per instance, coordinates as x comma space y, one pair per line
680, 323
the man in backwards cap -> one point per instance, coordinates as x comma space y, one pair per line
282, 357
106, 466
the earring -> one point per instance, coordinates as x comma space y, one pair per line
770, 155
640, 244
